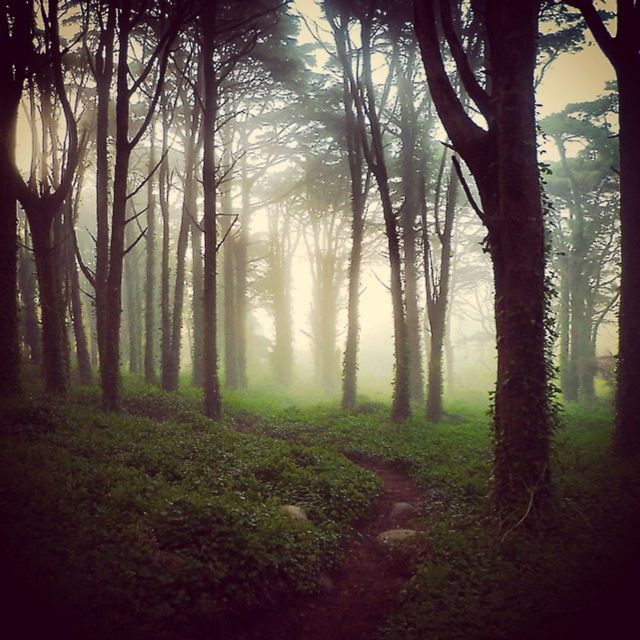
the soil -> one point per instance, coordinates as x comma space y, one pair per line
360, 598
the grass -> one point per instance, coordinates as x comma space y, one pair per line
159, 520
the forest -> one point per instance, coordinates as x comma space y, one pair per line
320, 319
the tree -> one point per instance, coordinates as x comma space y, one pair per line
437, 277
502, 159
42, 201
584, 190
15, 43
623, 52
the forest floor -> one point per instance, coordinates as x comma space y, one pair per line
159, 524
360, 596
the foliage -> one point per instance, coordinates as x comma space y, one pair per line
143, 526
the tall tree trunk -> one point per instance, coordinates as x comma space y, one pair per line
503, 161
627, 433
437, 295
358, 200
165, 291
55, 357
241, 263
9, 327
75, 298
228, 273
410, 212
104, 65
150, 272
280, 250
28, 296
198, 304
569, 390
110, 356
401, 407
212, 399
133, 309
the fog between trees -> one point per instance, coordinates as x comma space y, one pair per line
319, 196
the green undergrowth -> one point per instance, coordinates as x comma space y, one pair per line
159, 523
563, 575
156, 520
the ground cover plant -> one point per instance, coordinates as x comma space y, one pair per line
158, 522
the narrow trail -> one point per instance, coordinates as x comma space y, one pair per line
361, 597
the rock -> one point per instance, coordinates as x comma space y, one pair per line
402, 510
395, 536
295, 512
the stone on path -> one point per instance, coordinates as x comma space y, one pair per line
395, 536
402, 510
295, 512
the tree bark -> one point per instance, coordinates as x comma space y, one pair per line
504, 163
627, 431
75, 298
9, 327
358, 200
212, 399
410, 212
401, 407
150, 272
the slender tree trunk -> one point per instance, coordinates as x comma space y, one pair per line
569, 390
280, 279
228, 277
358, 199
28, 296
410, 212
165, 309
401, 407
242, 247
438, 299
110, 360
150, 272
212, 399
198, 304
55, 358
9, 326
133, 309
627, 431
77, 313
104, 74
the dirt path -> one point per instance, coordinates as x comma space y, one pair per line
364, 594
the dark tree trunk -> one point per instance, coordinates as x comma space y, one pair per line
624, 55
504, 163
627, 433
9, 327
55, 357
28, 295
133, 308
150, 273
75, 298
103, 75
410, 212
437, 294
401, 407
212, 399
165, 292
358, 200
110, 355
198, 304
